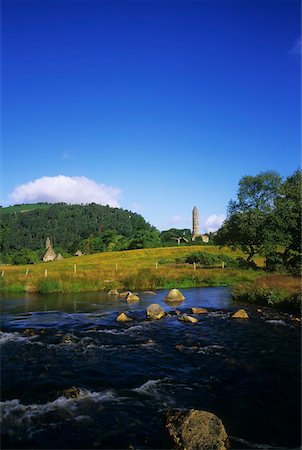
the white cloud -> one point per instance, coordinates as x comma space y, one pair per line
60, 188
214, 222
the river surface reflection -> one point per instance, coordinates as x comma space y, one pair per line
128, 374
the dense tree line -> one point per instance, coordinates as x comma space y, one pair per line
92, 228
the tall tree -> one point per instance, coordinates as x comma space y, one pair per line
248, 221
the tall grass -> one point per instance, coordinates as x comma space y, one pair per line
282, 291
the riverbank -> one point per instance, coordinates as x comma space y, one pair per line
151, 269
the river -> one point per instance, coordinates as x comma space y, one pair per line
129, 374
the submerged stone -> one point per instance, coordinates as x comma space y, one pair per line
187, 318
199, 311
72, 392
113, 292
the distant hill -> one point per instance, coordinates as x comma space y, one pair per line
23, 208
90, 227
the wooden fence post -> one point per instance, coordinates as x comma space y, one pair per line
222, 265
116, 266
45, 273
2, 274
156, 266
26, 273
194, 265
75, 269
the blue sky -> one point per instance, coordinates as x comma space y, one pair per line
155, 106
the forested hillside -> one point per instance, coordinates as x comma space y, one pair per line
89, 227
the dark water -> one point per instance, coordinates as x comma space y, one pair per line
246, 372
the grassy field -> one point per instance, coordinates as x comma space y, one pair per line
131, 269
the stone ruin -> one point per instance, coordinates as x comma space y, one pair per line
50, 254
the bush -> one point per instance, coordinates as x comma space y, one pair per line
24, 256
208, 259
244, 264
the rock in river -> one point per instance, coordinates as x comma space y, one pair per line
174, 295
72, 392
187, 318
199, 311
240, 314
155, 311
132, 297
113, 292
196, 430
123, 318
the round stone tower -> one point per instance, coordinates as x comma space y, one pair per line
195, 224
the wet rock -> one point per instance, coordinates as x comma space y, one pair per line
72, 392
187, 318
196, 430
240, 314
29, 332
150, 292
124, 294
132, 297
199, 311
259, 310
174, 295
155, 311
295, 319
68, 339
123, 318
113, 292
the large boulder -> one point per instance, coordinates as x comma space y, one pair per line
240, 314
155, 311
196, 430
174, 295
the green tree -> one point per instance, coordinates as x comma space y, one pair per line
248, 225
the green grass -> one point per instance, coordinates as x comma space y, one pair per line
131, 269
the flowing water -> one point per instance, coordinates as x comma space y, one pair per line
129, 374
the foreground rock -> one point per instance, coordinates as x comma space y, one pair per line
174, 295
240, 314
132, 297
123, 318
199, 311
187, 318
155, 311
196, 430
